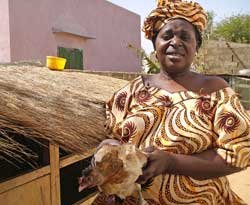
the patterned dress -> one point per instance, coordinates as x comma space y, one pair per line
184, 123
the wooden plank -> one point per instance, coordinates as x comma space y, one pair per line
75, 158
55, 175
36, 192
87, 200
23, 179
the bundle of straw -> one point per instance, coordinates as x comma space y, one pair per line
66, 108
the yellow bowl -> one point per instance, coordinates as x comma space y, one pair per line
55, 63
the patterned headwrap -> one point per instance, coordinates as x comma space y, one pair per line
172, 9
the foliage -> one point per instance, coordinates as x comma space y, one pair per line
149, 62
209, 29
235, 28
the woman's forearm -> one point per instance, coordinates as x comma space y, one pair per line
201, 166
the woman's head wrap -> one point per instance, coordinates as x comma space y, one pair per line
172, 9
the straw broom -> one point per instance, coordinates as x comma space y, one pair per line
66, 108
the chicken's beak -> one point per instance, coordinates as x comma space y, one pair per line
89, 181
84, 180
84, 183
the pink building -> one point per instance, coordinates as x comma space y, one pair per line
94, 33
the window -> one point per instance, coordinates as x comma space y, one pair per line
74, 57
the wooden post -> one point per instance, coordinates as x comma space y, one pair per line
55, 175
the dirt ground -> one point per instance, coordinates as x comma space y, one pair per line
240, 183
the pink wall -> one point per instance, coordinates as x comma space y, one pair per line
4, 32
113, 27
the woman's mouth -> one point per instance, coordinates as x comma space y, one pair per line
174, 56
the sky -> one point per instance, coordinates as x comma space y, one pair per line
221, 8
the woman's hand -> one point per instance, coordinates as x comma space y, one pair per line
158, 162
200, 166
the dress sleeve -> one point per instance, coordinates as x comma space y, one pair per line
117, 109
232, 126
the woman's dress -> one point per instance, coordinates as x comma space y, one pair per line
186, 123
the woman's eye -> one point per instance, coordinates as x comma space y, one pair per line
185, 37
166, 37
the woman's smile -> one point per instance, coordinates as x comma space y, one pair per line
174, 55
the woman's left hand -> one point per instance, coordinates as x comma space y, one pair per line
158, 163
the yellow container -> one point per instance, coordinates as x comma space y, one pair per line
55, 63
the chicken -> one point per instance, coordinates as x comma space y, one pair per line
114, 170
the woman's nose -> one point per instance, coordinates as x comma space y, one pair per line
176, 42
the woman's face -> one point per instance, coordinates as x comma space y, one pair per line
176, 46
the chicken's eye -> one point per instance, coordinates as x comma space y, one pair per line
90, 179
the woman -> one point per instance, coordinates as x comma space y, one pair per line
192, 126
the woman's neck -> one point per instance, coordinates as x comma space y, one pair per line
174, 76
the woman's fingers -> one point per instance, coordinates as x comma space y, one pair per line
144, 178
157, 163
149, 149
148, 173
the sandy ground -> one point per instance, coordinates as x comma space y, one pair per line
240, 183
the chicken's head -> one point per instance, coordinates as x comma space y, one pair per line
109, 168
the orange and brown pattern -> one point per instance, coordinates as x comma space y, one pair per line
120, 101
228, 121
186, 123
129, 130
172, 9
142, 96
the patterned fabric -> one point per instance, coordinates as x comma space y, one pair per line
172, 9
185, 123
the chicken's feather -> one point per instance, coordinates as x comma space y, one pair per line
115, 169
